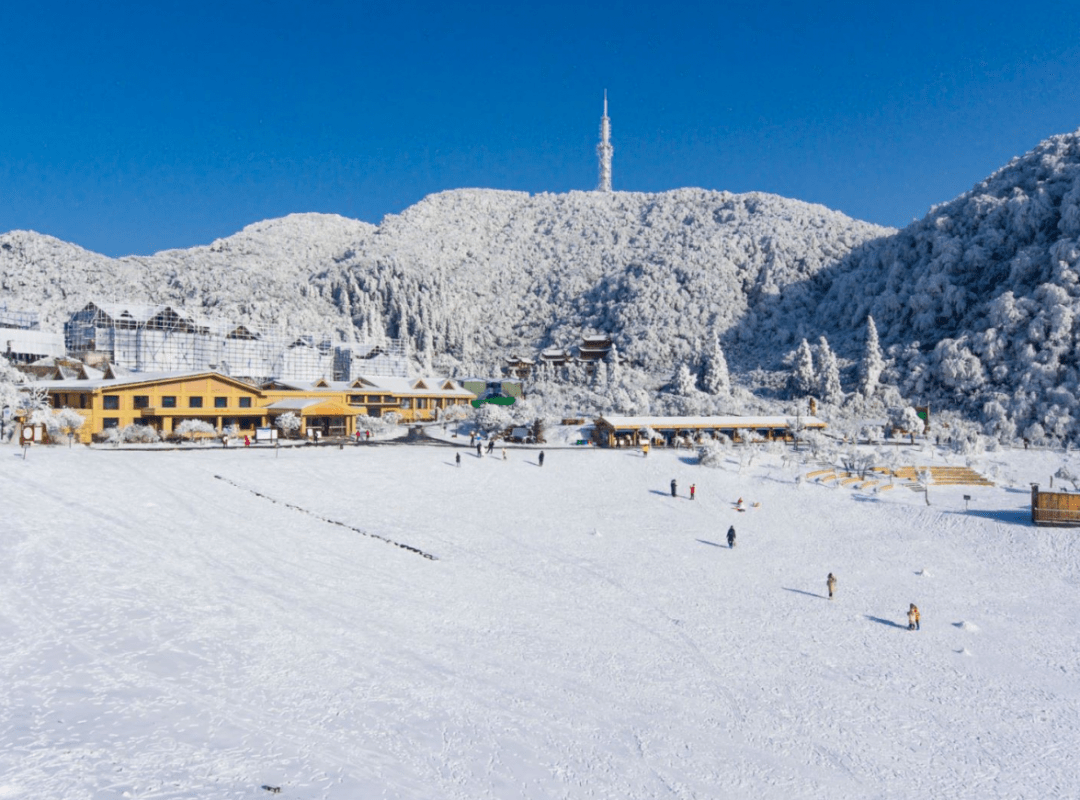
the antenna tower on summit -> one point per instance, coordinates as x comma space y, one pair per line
604, 150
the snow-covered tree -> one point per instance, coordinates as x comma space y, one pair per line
684, 382
48, 419
829, 388
491, 419
11, 382
71, 421
803, 379
716, 380
872, 363
288, 423
191, 427
454, 413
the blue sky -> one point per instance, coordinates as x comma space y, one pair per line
136, 127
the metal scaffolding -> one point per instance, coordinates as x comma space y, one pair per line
23, 320
145, 338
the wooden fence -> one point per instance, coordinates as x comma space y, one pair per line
1061, 509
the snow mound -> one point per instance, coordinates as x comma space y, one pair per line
970, 627
924, 573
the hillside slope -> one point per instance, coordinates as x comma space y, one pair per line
978, 302
476, 273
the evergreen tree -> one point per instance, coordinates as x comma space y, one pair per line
803, 380
829, 389
613, 370
872, 361
685, 383
717, 380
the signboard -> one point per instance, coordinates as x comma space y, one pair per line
266, 434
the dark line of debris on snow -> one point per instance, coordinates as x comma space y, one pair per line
302, 510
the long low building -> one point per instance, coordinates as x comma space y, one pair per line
163, 401
632, 431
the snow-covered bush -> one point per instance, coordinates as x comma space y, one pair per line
392, 418
191, 428
906, 419
713, 454
48, 419
139, 434
71, 421
491, 419
288, 423
454, 413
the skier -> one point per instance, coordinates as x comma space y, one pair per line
693, 487
673, 488
457, 458
831, 583
479, 450
913, 617
541, 458
731, 537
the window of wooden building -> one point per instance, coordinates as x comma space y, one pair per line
112, 402
245, 402
195, 401
168, 401
221, 402
141, 401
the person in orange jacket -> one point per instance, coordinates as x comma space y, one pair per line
913, 618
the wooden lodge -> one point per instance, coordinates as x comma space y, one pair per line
163, 401
631, 431
1057, 509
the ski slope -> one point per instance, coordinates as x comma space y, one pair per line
196, 624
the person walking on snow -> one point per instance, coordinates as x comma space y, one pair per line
731, 537
503, 453
479, 450
541, 458
831, 583
693, 488
491, 446
674, 488
913, 617
457, 458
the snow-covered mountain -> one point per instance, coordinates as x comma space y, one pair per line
476, 273
978, 303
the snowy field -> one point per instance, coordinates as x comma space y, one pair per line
165, 632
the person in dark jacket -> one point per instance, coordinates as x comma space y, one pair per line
457, 458
541, 458
479, 450
731, 536
674, 488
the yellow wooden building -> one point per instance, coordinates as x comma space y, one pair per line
164, 400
